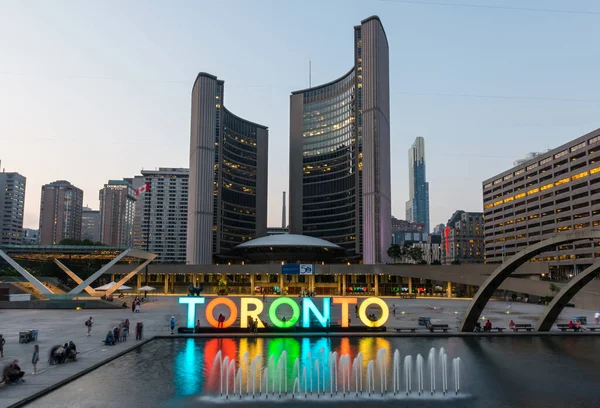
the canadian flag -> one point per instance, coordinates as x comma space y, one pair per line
142, 189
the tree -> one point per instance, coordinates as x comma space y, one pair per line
554, 288
394, 252
223, 287
416, 254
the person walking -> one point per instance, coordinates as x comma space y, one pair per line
172, 323
35, 358
89, 324
133, 303
596, 318
2, 343
137, 307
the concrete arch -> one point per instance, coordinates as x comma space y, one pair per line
561, 300
491, 284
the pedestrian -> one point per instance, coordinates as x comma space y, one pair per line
172, 323
139, 328
264, 295
394, 310
133, 302
2, 343
35, 358
596, 319
89, 324
137, 307
255, 326
220, 321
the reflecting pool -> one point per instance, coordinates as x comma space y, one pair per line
493, 372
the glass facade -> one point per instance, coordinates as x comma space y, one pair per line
417, 208
235, 182
339, 154
330, 163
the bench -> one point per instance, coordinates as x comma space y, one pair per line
434, 327
497, 329
412, 329
408, 295
565, 327
522, 326
593, 328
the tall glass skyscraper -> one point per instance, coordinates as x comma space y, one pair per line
417, 207
227, 201
340, 153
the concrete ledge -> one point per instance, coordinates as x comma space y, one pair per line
83, 372
61, 304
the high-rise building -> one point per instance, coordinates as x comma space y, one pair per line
552, 193
31, 236
227, 202
340, 153
163, 212
117, 211
417, 207
60, 212
438, 229
463, 239
90, 224
12, 204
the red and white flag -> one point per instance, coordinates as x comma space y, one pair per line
142, 189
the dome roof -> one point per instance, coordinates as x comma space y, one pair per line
288, 240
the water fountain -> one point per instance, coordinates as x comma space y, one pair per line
335, 373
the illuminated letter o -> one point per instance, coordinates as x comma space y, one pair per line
362, 312
273, 312
221, 301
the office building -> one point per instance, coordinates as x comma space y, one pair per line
117, 211
553, 193
31, 236
60, 212
90, 224
417, 207
432, 249
163, 208
340, 153
227, 203
463, 239
12, 205
406, 226
438, 229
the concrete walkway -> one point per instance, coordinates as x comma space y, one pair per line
60, 326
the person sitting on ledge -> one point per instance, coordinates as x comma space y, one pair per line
110, 339
197, 324
488, 325
477, 327
13, 373
572, 326
512, 325
578, 326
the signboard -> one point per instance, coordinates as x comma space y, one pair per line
252, 307
307, 269
298, 269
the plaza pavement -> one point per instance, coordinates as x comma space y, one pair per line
60, 326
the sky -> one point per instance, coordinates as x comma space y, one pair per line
94, 91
